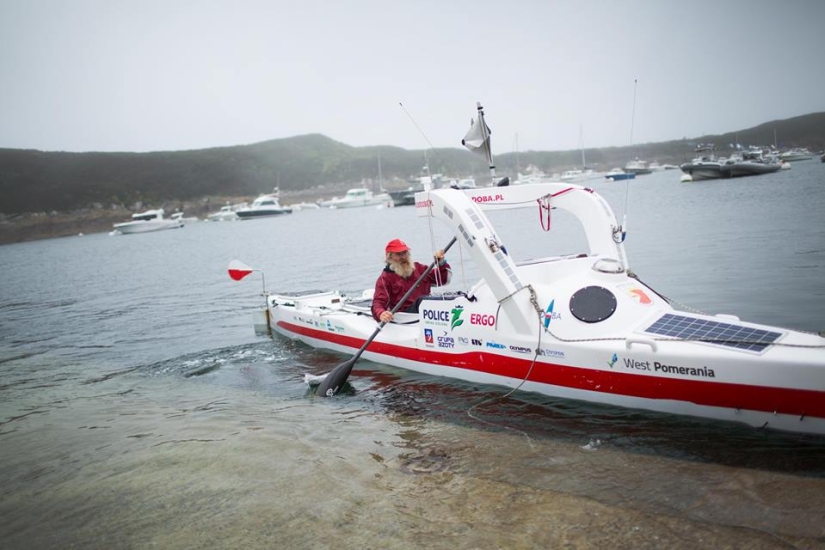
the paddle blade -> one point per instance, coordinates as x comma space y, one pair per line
238, 270
336, 379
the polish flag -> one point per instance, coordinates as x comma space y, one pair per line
238, 270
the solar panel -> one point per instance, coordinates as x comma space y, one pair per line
713, 332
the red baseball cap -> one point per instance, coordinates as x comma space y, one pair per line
397, 245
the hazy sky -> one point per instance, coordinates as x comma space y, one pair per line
146, 75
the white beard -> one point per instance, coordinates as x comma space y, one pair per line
403, 268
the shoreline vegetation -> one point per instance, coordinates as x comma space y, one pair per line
33, 226
56, 194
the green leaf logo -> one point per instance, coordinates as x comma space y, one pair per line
455, 317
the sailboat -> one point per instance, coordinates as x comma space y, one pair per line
585, 173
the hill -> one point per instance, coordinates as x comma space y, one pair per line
89, 184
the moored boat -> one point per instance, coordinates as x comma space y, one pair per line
617, 174
706, 168
638, 167
262, 207
359, 197
796, 154
227, 213
181, 217
144, 222
751, 163
580, 326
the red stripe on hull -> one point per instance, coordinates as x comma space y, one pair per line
714, 394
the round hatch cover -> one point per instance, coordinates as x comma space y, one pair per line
592, 304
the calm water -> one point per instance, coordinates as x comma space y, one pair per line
138, 408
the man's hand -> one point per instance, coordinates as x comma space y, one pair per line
386, 316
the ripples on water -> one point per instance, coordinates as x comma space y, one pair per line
137, 406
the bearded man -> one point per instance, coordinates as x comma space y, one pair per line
399, 275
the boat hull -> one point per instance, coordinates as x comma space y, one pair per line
620, 177
706, 171
684, 378
253, 214
377, 200
129, 228
580, 326
741, 169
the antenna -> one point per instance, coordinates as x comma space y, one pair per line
423, 135
627, 181
633, 113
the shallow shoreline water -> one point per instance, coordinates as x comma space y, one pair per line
138, 408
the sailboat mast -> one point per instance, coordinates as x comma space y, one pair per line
380, 176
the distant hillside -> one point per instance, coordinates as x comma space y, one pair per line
36, 181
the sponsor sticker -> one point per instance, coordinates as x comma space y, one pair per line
455, 317
436, 316
549, 314
488, 198
636, 293
446, 341
660, 368
482, 319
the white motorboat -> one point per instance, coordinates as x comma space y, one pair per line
637, 166
580, 326
572, 176
298, 206
227, 213
179, 216
578, 176
144, 222
359, 197
796, 154
262, 207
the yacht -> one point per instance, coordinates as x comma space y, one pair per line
637, 167
359, 196
143, 222
572, 175
797, 153
262, 207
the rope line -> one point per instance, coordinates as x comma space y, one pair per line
534, 302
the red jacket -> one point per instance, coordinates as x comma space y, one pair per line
391, 287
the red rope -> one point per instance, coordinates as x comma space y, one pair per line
546, 206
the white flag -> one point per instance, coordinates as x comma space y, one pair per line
477, 139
